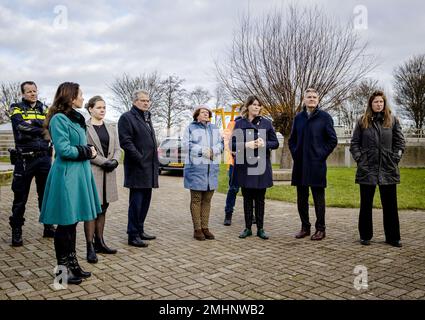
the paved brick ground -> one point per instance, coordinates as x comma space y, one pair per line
175, 266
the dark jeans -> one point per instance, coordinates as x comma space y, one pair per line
319, 206
251, 198
140, 200
389, 208
232, 192
25, 170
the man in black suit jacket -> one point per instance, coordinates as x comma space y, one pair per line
137, 139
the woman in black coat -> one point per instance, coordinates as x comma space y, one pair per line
253, 139
377, 146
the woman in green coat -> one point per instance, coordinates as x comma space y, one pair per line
70, 194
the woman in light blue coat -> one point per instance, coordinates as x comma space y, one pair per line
70, 194
204, 145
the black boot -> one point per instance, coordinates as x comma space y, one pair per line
49, 231
72, 256
101, 247
75, 267
17, 236
62, 260
91, 253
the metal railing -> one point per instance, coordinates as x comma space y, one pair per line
408, 133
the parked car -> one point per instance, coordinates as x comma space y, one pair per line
170, 155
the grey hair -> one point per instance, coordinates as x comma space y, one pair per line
311, 90
135, 94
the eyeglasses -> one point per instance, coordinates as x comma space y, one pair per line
144, 100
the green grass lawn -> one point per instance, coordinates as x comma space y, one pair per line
343, 192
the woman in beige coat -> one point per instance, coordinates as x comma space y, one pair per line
105, 140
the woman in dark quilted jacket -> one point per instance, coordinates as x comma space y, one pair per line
377, 146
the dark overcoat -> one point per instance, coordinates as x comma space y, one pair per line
253, 168
137, 139
312, 140
377, 151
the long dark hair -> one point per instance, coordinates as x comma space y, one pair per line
62, 103
366, 118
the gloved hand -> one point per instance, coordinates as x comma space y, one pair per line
109, 165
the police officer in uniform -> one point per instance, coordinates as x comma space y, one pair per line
31, 157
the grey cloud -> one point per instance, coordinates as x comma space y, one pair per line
106, 38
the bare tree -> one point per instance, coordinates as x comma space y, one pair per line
10, 92
221, 95
409, 90
123, 87
199, 96
353, 107
278, 56
172, 107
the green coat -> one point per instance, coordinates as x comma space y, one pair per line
70, 194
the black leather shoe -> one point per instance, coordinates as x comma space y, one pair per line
137, 242
49, 231
228, 220
17, 237
395, 243
365, 242
145, 236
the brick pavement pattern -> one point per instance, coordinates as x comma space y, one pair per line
176, 266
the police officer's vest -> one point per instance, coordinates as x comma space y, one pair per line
24, 111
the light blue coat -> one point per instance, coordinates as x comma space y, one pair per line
201, 174
70, 194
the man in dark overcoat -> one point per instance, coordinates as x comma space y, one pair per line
312, 140
137, 139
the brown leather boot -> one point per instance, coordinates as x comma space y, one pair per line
199, 235
208, 235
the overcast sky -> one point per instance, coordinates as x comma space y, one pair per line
91, 42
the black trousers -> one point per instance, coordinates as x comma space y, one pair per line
253, 198
319, 206
25, 170
140, 200
389, 208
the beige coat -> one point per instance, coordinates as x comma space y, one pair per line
114, 152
